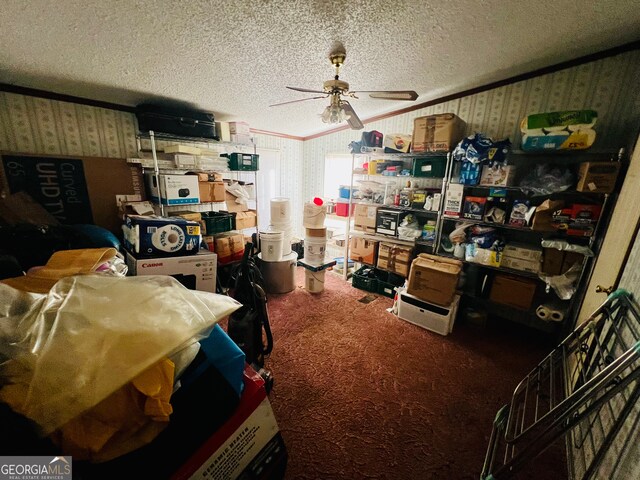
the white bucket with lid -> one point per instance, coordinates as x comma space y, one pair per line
271, 245
280, 210
314, 249
313, 215
314, 281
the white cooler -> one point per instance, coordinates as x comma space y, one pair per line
427, 315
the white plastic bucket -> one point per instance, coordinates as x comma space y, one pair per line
287, 230
313, 215
280, 210
314, 281
271, 245
314, 249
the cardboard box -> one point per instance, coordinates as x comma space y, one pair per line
522, 252
474, 207
436, 133
543, 217
513, 291
244, 139
570, 259
229, 246
363, 250
365, 217
211, 191
223, 131
532, 266
434, 279
173, 189
75, 190
397, 142
387, 221
453, 200
207, 176
394, 258
500, 176
246, 220
232, 205
552, 261
239, 128
247, 445
197, 272
182, 149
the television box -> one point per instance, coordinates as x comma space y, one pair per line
248, 445
75, 190
597, 177
394, 258
513, 291
365, 217
173, 189
197, 272
363, 250
432, 317
434, 278
436, 133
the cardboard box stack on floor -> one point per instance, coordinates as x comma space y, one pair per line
430, 300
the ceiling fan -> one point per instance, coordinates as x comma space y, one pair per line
339, 109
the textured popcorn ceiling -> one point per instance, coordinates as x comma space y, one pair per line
235, 58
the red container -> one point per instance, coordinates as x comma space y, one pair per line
342, 209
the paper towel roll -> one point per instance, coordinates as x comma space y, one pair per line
548, 312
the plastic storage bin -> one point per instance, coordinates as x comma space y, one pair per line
387, 283
433, 167
342, 209
242, 161
218, 222
364, 282
345, 191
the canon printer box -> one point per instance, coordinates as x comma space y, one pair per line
197, 272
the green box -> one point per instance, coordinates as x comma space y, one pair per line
244, 162
431, 167
218, 222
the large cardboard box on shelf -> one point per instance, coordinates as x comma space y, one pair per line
436, 133
552, 261
521, 257
598, 177
246, 219
513, 291
211, 191
388, 220
365, 217
434, 278
233, 205
363, 250
394, 258
196, 272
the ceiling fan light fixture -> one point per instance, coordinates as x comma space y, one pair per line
334, 114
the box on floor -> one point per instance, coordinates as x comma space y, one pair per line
363, 250
434, 279
394, 258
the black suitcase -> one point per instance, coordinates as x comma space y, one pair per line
184, 123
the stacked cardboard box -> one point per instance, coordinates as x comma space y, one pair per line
521, 257
434, 279
394, 258
363, 250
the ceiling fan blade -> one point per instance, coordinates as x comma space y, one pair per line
296, 101
305, 90
353, 120
391, 94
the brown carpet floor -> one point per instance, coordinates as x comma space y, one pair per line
360, 393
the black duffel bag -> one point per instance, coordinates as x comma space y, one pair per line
185, 123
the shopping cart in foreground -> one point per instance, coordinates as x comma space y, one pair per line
584, 391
